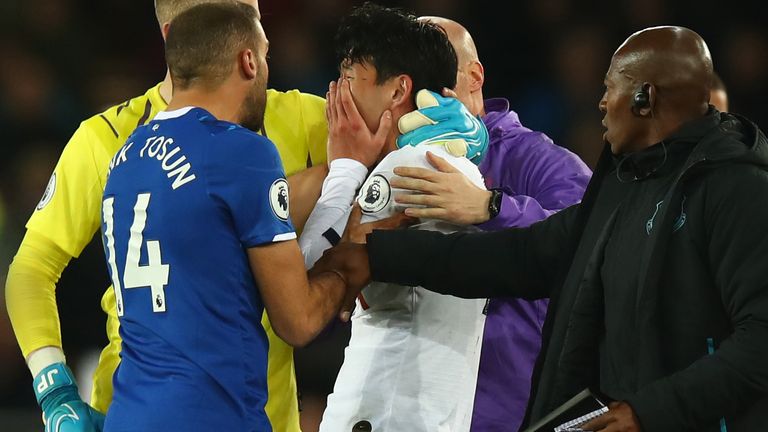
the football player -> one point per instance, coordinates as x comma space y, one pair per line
198, 241
412, 360
68, 215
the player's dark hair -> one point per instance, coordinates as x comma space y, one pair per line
203, 42
395, 42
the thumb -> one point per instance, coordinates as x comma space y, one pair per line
345, 314
440, 164
353, 222
449, 93
385, 125
402, 220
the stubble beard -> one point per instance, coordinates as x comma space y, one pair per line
252, 110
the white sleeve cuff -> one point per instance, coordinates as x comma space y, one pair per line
347, 163
40, 359
284, 237
345, 176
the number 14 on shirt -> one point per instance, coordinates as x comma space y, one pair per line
153, 275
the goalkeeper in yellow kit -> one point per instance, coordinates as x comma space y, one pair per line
68, 216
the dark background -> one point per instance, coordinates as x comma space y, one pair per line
62, 61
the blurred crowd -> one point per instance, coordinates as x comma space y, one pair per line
62, 61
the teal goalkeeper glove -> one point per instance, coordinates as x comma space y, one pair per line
444, 121
63, 410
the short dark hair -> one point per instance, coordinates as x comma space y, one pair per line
395, 42
204, 40
167, 10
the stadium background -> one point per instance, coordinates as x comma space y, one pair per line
62, 61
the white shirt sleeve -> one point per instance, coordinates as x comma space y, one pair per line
332, 209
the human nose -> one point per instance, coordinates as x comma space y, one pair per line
602, 104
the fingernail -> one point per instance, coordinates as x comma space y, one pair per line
388, 114
345, 316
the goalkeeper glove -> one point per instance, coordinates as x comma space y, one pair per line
63, 410
444, 121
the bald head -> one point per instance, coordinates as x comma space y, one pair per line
659, 79
460, 38
675, 61
470, 76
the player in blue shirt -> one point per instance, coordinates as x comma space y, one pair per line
196, 231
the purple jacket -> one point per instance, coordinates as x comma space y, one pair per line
539, 178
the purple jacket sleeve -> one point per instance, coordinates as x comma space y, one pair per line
538, 178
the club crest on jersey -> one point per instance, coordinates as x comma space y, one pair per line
48, 194
375, 194
278, 198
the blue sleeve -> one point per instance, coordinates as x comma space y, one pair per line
246, 175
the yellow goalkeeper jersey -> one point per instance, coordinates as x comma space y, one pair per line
69, 215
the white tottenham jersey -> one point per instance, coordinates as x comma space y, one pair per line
411, 364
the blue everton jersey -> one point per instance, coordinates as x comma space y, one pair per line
186, 196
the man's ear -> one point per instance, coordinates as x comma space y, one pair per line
402, 90
247, 63
477, 76
648, 110
164, 30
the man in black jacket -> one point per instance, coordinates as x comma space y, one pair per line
658, 280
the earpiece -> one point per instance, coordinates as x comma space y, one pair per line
641, 99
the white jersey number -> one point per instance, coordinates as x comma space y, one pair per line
153, 275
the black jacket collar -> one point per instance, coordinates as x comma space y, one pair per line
666, 155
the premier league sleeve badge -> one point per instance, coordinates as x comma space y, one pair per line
375, 194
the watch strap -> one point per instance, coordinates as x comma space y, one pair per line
494, 204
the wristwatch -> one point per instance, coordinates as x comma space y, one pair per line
494, 204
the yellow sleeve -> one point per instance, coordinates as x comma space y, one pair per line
288, 122
30, 292
69, 212
101, 392
282, 406
316, 127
